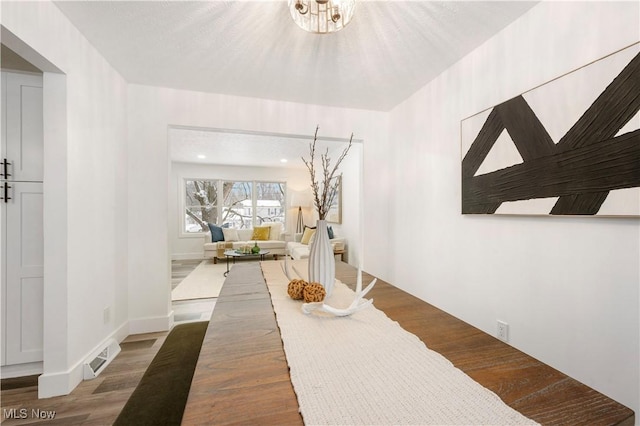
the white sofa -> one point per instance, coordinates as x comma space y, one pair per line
238, 238
297, 250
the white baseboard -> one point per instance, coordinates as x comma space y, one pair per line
64, 382
121, 332
187, 256
60, 383
151, 324
20, 370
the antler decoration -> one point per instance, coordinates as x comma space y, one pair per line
358, 303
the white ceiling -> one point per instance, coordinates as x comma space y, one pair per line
212, 146
253, 48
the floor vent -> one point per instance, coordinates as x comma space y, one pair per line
99, 360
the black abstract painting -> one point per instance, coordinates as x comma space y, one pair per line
569, 147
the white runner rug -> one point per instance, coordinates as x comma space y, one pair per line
204, 282
367, 370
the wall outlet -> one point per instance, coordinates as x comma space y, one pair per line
106, 315
503, 331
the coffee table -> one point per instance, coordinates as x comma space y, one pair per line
232, 254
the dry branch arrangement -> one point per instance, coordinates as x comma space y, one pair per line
324, 195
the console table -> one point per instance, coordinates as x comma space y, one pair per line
242, 374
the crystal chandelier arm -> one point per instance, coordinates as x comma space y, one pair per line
322, 16
301, 7
335, 13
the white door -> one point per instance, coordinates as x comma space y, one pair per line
24, 141
21, 218
24, 273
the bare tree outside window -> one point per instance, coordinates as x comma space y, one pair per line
201, 204
236, 212
270, 202
241, 205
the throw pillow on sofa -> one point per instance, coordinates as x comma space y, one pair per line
276, 229
261, 233
306, 236
216, 233
230, 234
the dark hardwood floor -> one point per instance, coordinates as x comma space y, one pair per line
97, 401
531, 387
526, 384
93, 402
247, 380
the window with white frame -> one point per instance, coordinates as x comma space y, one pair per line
232, 204
270, 202
200, 204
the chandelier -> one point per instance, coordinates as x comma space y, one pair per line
322, 16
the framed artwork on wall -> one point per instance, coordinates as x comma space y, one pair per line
568, 147
335, 211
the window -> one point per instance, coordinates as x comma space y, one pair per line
232, 204
237, 211
270, 202
201, 204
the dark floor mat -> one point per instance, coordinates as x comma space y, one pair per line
162, 394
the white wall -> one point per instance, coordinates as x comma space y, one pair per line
567, 287
85, 190
151, 111
352, 226
561, 283
185, 246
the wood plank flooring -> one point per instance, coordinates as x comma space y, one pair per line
524, 383
98, 401
180, 269
92, 402
245, 381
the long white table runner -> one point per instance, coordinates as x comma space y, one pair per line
367, 370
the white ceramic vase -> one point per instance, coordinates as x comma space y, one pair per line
322, 263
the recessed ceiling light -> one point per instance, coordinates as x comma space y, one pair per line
284, 160
201, 156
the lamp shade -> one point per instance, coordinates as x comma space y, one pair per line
300, 199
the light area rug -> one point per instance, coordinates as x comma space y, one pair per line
204, 282
367, 370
